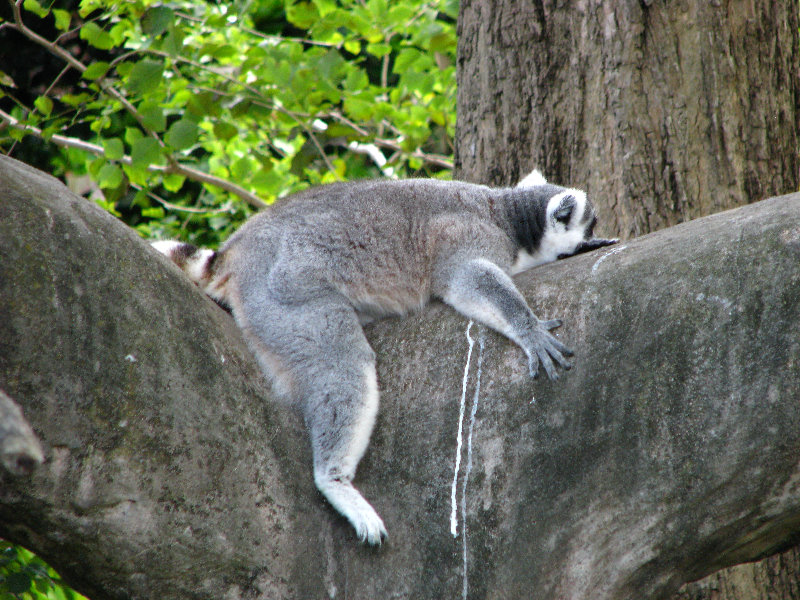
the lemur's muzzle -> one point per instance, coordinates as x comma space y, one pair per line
589, 245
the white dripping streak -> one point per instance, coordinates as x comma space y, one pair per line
468, 468
616, 250
453, 500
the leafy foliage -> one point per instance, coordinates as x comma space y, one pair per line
173, 98
25, 576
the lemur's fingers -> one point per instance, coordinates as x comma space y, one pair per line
533, 365
555, 342
549, 356
547, 364
550, 352
561, 350
551, 324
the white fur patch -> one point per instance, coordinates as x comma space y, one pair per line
369, 411
197, 266
165, 246
534, 178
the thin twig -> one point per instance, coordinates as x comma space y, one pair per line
177, 208
173, 168
438, 160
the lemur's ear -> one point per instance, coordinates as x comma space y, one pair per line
565, 208
534, 178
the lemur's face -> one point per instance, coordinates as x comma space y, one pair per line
568, 230
570, 225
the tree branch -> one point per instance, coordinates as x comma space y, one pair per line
642, 468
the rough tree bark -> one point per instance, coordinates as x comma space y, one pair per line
171, 473
664, 111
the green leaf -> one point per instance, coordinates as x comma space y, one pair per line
75, 99
6, 80
97, 37
63, 19
145, 152
96, 70
153, 116
325, 6
110, 176
302, 14
145, 76
204, 104
224, 131
156, 20
44, 105
181, 134
124, 68
353, 46
87, 6
173, 42
379, 50
356, 81
36, 8
100, 123
173, 182
132, 134
114, 149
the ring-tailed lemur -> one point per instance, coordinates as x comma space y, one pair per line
302, 277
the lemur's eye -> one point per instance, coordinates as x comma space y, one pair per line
564, 211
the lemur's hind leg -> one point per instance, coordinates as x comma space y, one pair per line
340, 422
330, 369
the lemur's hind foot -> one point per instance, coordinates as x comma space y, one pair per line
349, 502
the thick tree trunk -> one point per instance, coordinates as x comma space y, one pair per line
170, 473
663, 111
774, 578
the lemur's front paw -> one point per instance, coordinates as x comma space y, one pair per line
546, 348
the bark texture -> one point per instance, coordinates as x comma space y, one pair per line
774, 578
171, 473
663, 111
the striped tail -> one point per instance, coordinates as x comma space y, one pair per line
197, 263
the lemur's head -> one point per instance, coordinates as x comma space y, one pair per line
561, 223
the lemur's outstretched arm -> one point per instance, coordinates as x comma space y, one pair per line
481, 290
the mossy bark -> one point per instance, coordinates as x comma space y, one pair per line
671, 449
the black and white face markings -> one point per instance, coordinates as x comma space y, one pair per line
568, 226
